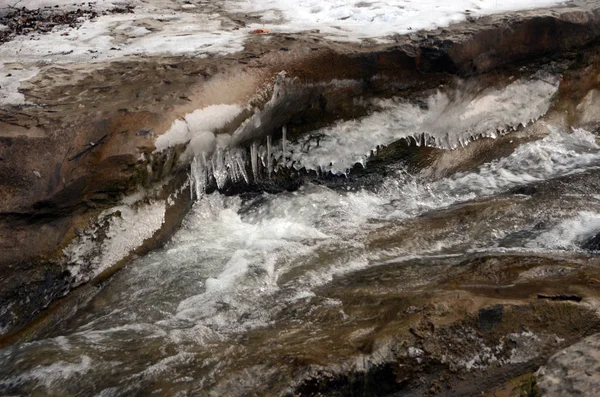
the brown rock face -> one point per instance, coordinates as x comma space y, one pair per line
56, 184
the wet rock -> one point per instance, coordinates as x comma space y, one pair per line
489, 317
453, 358
68, 181
593, 244
574, 371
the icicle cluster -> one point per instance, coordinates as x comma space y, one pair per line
229, 165
223, 166
447, 121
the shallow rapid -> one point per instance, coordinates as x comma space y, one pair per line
187, 319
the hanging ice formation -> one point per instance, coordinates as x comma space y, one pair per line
449, 120
233, 165
223, 166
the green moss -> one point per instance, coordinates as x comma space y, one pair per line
526, 386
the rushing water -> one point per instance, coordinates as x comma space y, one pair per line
174, 321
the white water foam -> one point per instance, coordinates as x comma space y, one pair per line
570, 233
48, 375
229, 259
557, 154
343, 219
255, 244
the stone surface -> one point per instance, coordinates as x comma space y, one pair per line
574, 371
489, 317
412, 329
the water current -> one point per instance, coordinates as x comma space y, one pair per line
183, 318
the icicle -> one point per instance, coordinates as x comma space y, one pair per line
254, 160
204, 175
240, 161
262, 155
220, 171
283, 140
269, 157
198, 177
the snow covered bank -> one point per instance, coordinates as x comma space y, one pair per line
178, 27
35, 4
354, 20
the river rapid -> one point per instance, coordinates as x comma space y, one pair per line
243, 298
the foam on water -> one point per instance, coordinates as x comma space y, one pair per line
48, 375
557, 154
570, 233
315, 220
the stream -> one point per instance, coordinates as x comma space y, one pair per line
254, 288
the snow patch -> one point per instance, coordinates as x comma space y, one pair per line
11, 76
354, 20
63, 4
196, 126
158, 28
118, 232
146, 32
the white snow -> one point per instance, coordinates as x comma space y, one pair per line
172, 27
360, 19
145, 32
196, 126
127, 229
11, 77
63, 4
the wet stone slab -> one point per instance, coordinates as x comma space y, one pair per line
574, 371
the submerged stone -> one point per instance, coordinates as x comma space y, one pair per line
593, 244
490, 317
